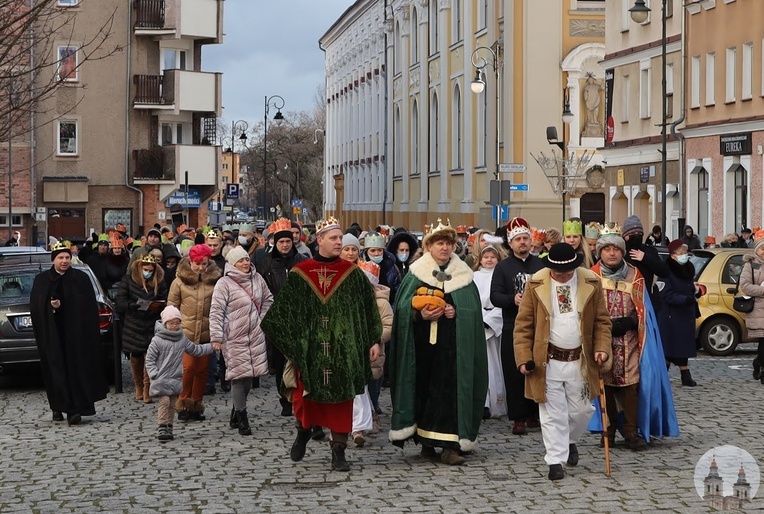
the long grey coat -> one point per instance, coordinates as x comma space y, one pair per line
239, 303
164, 359
751, 279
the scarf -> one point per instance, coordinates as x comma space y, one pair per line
615, 274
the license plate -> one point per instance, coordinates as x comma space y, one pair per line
24, 321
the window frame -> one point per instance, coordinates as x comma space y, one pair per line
76, 151
75, 71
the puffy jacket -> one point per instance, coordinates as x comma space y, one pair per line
274, 267
751, 278
138, 324
388, 274
392, 247
192, 294
164, 359
239, 303
382, 294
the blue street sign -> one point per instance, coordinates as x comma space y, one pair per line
504, 213
232, 191
518, 187
304, 211
179, 198
297, 203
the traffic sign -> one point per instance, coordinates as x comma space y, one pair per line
508, 167
518, 187
504, 212
304, 211
297, 203
295, 210
232, 191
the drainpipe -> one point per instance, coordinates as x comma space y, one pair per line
384, 82
32, 186
128, 112
325, 180
674, 125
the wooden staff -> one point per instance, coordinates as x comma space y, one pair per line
605, 437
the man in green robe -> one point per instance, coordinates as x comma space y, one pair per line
438, 360
325, 321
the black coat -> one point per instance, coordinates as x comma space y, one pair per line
138, 324
99, 264
650, 266
392, 247
68, 341
503, 289
274, 267
676, 318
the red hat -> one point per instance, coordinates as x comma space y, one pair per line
675, 245
516, 227
197, 253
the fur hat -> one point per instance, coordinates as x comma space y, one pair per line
169, 313
611, 240
235, 254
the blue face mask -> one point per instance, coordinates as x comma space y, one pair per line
376, 260
403, 257
148, 274
683, 259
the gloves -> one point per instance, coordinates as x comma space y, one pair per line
623, 325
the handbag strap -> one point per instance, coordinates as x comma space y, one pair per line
257, 306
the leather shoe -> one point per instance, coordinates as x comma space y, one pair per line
636, 443
756, 369
451, 457
184, 415
73, 419
486, 413
533, 423
519, 428
58, 416
317, 433
572, 455
428, 452
556, 472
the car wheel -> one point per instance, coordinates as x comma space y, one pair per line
720, 336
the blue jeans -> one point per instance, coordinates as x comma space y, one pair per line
375, 387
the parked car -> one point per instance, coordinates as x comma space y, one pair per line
17, 342
720, 328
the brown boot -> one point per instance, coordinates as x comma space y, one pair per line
451, 457
137, 364
146, 386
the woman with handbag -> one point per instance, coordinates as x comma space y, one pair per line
676, 319
751, 283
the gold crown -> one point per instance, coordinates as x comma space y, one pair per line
610, 229
280, 225
148, 259
572, 227
440, 226
326, 224
61, 245
212, 234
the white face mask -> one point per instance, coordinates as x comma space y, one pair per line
683, 259
377, 259
243, 240
403, 257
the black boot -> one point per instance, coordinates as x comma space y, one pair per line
687, 378
338, 457
244, 428
234, 423
756, 369
300, 443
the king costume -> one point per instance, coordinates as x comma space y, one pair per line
325, 320
438, 385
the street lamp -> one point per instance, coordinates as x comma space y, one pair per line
277, 103
639, 14
478, 86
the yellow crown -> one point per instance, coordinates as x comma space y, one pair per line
572, 227
61, 245
326, 224
440, 226
148, 259
280, 225
610, 229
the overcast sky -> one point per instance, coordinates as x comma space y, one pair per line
271, 48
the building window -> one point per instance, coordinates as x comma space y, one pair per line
747, 83
456, 127
644, 93
456, 12
432, 24
730, 74
67, 64
695, 82
415, 138
710, 78
397, 142
68, 3
397, 49
67, 137
173, 59
625, 99
741, 196
225, 179
482, 133
111, 217
669, 90
703, 203
482, 14
625, 16
434, 134
414, 37
225, 166
16, 220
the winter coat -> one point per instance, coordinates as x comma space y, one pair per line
192, 294
164, 359
751, 279
392, 247
138, 322
235, 322
382, 294
650, 266
116, 268
99, 264
532, 328
504, 287
274, 267
676, 319
388, 274
303, 250
692, 242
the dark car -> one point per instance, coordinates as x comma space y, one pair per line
17, 342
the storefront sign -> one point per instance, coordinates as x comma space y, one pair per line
735, 144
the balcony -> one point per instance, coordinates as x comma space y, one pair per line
202, 163
176, 19
176, 91
149, 166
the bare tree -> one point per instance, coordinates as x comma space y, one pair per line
33, 60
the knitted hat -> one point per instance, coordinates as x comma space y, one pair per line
198, 252
675, 245
350, 240
169, 313
516, 227
235, 255
632, 225
758, 240
155, 232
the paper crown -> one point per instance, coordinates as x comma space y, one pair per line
226, 228
572, 227
327, 224
374, 240
103, 238
471, 238
370, 267
120, 227
384, 230
247, 228
280, 225
758, 234
610, 229
517, 226
61, 245
148, 259
182, 228
461, 229
211, 233
440, 228
592, 230
538, 235
115, 241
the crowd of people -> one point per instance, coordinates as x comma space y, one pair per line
467, 324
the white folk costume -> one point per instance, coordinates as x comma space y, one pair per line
496, 399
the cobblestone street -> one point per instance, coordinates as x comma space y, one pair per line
113, 462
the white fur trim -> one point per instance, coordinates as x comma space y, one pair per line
461, 274
466, 445
402, 434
